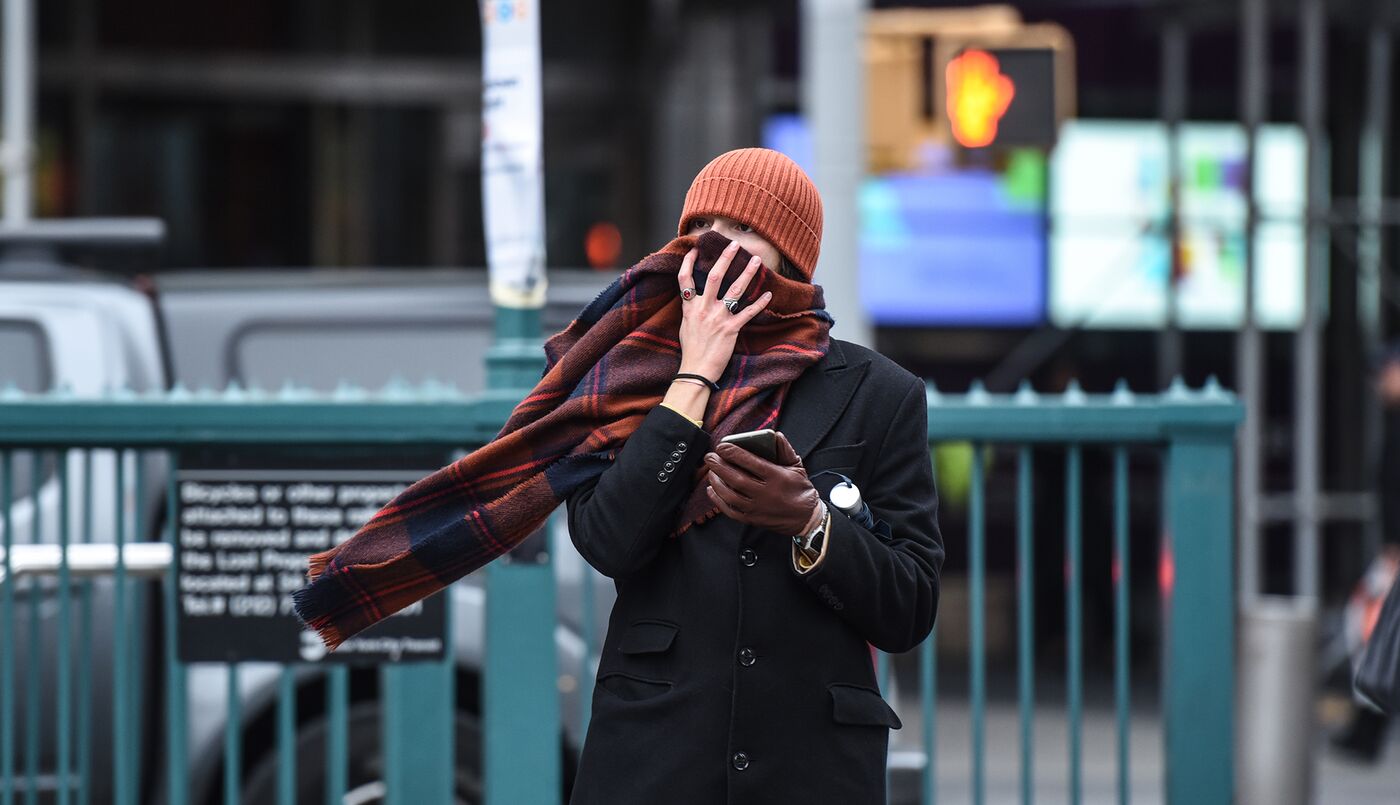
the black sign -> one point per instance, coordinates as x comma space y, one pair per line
244, 535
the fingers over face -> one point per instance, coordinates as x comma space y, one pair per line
741, 283
686, 276
748, 313
719, 269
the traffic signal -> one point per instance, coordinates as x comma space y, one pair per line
962, 78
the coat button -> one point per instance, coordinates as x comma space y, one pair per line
748, 557
741, 761
747, 657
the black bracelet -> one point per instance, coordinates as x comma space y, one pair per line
712, 384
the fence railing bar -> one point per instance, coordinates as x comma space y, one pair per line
233, 740
32, 673
391, 734
84, 718
177, 726
977, 570
883, 665
1025, 626
123, 793
585, 674
928, 689
337, 739
286, 737
1121, 564
135, 689
65, 642
7, 635
1074, 563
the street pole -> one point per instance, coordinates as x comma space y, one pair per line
1174, 85
833, 101
1370, 285
520, 695
1249, 352
1307, 369
17, 148
1278, 633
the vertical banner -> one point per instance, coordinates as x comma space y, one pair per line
512, 154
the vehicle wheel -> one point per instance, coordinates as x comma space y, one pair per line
365, 762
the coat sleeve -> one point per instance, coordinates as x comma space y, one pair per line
619, 520
888, 591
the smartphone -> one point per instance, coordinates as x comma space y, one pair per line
762, 443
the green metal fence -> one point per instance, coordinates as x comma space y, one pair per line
1194, 432
128, 436
50, 749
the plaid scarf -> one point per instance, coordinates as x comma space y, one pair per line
604, 373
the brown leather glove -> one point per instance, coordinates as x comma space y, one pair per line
776, 496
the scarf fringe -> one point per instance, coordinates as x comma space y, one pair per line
317, 563
322, 625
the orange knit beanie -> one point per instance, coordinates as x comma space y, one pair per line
767, 191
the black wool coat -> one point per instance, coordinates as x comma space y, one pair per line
725, 676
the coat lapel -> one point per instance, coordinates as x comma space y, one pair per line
818, 397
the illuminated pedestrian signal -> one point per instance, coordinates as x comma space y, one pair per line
962, 79
978, 96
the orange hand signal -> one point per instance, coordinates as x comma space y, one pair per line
978, 96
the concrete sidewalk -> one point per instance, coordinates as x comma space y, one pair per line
1339, 782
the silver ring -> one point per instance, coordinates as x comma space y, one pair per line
687, 294
732, 304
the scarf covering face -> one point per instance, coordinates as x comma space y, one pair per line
604, 373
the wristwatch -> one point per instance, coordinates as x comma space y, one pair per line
810, 544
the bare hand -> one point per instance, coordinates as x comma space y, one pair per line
776, 496
708, 329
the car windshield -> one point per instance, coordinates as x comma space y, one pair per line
23, 364
22, 352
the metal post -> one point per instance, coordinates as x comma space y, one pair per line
418, 718
1307, 368
17, 149
1174, 82
520, 695
1278, 637
833, 93
1249, 353
1375, 136
1198, 678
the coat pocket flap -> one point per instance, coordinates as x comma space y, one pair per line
854, 704
835, 456
647, 637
